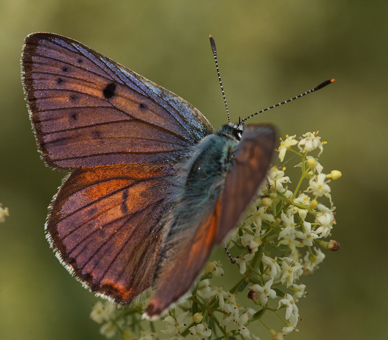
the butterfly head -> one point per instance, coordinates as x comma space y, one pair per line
234, 129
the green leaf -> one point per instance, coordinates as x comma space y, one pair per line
194, 308
279, 292
261, 267
258, 315
212, 324
242, 286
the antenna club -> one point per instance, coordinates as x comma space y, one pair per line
214, 50
213, 44
320, 86
325, 83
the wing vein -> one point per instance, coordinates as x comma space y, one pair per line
111, 236
152, 207
104, 196
107, 77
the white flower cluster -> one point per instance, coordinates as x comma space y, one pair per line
280, 240
121, 321
4, 212
284, 227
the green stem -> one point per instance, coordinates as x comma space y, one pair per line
277, 314
187, 329
234, 288
302, 177
222, 329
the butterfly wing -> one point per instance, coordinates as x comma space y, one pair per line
88, 110
251, 163
249, 167
104, 226
122, 133
177, 279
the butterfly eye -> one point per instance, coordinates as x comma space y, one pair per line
239, 131
236, 130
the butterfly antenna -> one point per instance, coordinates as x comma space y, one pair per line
230, 256
214, 49
316, 88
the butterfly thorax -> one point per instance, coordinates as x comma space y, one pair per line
211, 159
202, 175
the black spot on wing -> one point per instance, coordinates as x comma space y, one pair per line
109, 90
123, 206
96, 134
143, 106
73, 97
74, 116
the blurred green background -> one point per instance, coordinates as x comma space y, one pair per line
268, 52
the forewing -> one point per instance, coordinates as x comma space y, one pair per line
179, 272
251, 162
88, 110
104, 226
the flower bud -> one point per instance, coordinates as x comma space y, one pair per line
335, 174
252, 295
333, 245
266, 201
197, 317
209, 268
313, 204
311, 163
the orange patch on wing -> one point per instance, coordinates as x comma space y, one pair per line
131, 170
206, 233
119, 290
180, 277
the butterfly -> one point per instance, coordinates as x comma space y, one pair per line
153, 187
